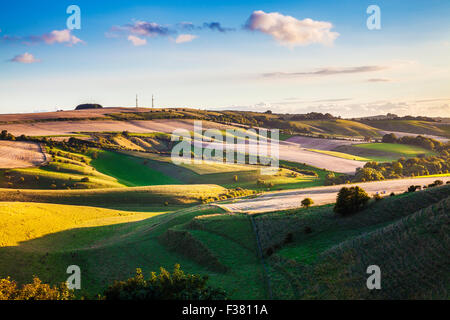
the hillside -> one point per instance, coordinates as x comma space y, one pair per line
306, 246
412, 126
205, 240
416, 267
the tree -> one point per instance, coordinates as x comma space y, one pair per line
307, 202
350, 200
164, 286
398, 168
368, 174
389, 138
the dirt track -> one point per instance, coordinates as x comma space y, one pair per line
283, 200
20, 154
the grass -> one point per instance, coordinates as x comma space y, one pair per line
109, 245
130, 171
224, 174
417, 247
25, 221
400, 149
111, 252
66, 170
136, 196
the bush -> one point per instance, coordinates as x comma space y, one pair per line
33, 291
377, 197
164, 286
307, 202
350, 200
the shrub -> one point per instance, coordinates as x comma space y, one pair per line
164, 286
377, 197
307, 202
33, 291
289, 238
307, 230
350, 200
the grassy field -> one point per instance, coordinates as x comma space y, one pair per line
26, 221
417, 269
66, 170
110, 252
400, 149
383, 152
226, 174
130, 171
113, 197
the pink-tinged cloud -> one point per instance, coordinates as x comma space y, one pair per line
137, 41
61, 36
290, 31
27, 58
182, 38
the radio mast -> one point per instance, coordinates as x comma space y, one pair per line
153, 102
137, 101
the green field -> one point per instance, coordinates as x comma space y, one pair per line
383, 152
130, 171
107, 253
66, 170
225, 174
402, 150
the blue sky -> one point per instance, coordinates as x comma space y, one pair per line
292, 56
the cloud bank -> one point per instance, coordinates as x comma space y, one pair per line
290, 31
326, 71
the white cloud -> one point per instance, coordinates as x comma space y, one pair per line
182, 38
137, 41
25, 58
61, 36
290, 31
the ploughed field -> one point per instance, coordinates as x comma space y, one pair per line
20, 154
